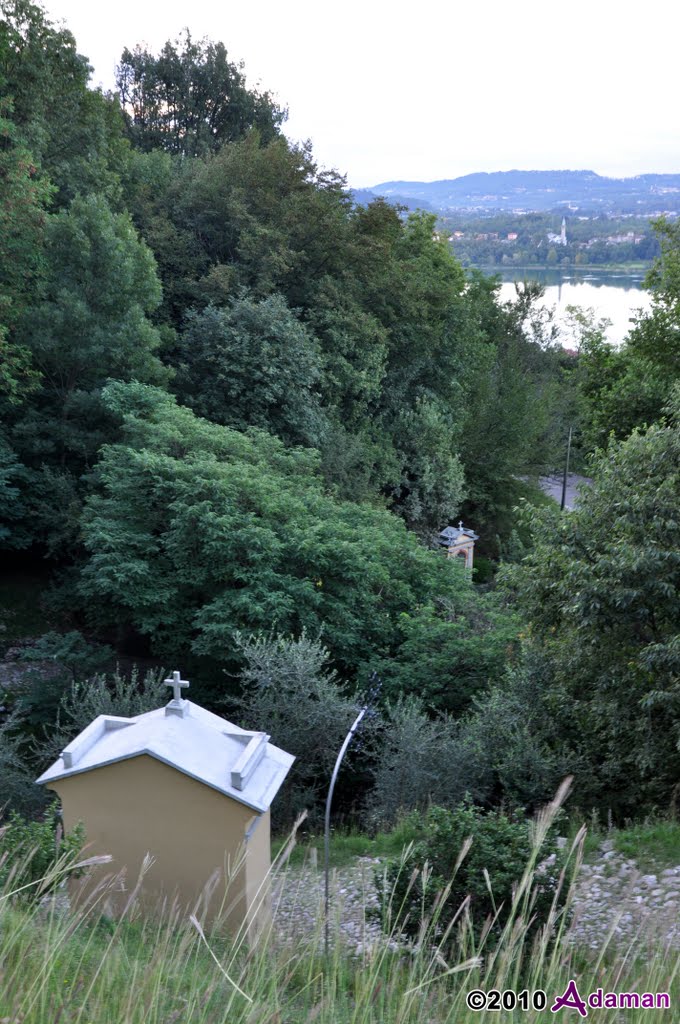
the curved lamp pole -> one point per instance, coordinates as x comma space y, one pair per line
566, 473
327, 819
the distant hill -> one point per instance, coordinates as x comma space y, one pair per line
364, 196
539, 190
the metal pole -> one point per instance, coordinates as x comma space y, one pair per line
566, 473
327, 819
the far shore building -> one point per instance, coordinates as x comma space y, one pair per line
560, 239
459, 542
187, 788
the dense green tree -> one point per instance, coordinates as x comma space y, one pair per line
74, 133
600, 591
629, 387
196, 531
355, 346
253, 364
88, 324
258, 216
14, 529
409, 282
190, 99
264, 217
23, 197
508, 378
430, 486
619, 390
656, 337
450, 651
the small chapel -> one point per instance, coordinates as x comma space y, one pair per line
459, 542
186, 787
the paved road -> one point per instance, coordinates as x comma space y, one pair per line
552, 485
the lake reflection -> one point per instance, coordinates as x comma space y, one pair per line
616, 296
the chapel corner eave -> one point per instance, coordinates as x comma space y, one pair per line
55, 773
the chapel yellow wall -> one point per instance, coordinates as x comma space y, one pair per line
462, 548
258, 863
141, 805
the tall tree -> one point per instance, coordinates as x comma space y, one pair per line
600, 589
190, 99
253, 364
89, 324
74, 133
23, 196
507, 377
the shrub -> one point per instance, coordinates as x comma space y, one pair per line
53, 661
31, 851
427, 886
419, 760
85, 700
289, 691
19, 791
507, 743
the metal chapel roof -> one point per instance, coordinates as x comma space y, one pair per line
451, 534
241, 764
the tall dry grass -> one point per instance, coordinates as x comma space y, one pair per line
81, 967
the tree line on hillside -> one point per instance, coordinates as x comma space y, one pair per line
236, 409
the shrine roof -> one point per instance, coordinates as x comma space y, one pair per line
240, 763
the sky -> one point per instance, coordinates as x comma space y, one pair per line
429, 90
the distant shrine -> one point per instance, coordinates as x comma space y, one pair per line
459, 542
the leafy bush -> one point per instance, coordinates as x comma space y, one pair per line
85, 700
508, 746
53, 661
419, 760
31, 851
19, 791
289, 691
438, 872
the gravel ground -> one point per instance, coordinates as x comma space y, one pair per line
612, 896
298, 903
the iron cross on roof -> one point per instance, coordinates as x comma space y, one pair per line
177, 685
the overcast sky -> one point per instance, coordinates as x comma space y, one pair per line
427, 90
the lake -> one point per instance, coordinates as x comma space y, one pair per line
614, 295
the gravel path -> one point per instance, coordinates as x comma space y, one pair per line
612, 896
298, 903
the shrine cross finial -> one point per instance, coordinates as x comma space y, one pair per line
177, 686
460, 524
